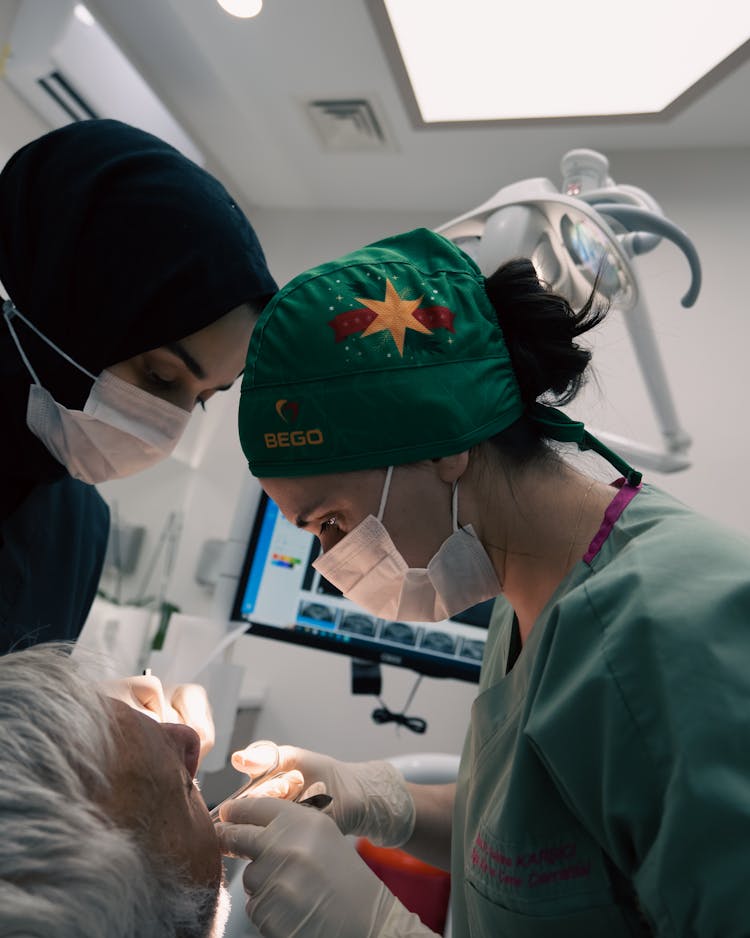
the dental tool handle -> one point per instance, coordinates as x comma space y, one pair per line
214, 812
320, 802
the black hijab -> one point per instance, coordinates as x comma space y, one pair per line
111, 243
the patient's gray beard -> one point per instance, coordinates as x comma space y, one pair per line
190, 910
221, 916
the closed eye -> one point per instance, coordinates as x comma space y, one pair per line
159, 382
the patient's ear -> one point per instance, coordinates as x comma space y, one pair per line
451, 468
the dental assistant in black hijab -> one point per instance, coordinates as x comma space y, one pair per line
131, 285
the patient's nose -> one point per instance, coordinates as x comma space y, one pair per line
187, 743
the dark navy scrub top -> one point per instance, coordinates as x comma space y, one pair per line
52, 550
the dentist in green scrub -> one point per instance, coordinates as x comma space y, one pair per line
604, 788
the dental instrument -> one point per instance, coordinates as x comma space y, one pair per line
320, 801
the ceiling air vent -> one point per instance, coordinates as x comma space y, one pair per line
348, 124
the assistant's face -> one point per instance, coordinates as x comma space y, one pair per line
190, 371
417, 512
152, 792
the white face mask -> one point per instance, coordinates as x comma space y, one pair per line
368, 569
121, 429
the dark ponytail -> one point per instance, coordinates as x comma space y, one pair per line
540, 328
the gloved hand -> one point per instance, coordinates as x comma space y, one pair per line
185, 703
370, 799
144, 693
190, 703
305, 880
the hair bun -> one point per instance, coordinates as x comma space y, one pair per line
540, 328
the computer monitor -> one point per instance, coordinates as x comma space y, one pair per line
280, 595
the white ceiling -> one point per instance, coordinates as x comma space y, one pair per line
239, 87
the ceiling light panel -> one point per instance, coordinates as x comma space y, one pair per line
482, 60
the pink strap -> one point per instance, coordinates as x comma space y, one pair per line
615, 508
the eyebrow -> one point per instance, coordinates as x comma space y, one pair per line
191, 364
185, 356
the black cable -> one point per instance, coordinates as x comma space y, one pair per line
382, 714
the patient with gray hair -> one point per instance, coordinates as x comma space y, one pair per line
103, 832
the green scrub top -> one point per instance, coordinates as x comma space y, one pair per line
604, 787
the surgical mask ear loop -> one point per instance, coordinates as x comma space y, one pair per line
9, 312
386, 489
454, 506
384, 496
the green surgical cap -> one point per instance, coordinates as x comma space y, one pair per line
388, 355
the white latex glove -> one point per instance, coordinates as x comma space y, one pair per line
185, 703
305, 880
190, 703
370, 799
144, 693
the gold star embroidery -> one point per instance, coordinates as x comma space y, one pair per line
394, 314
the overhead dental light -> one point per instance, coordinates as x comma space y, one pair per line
585, 235
244, 9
